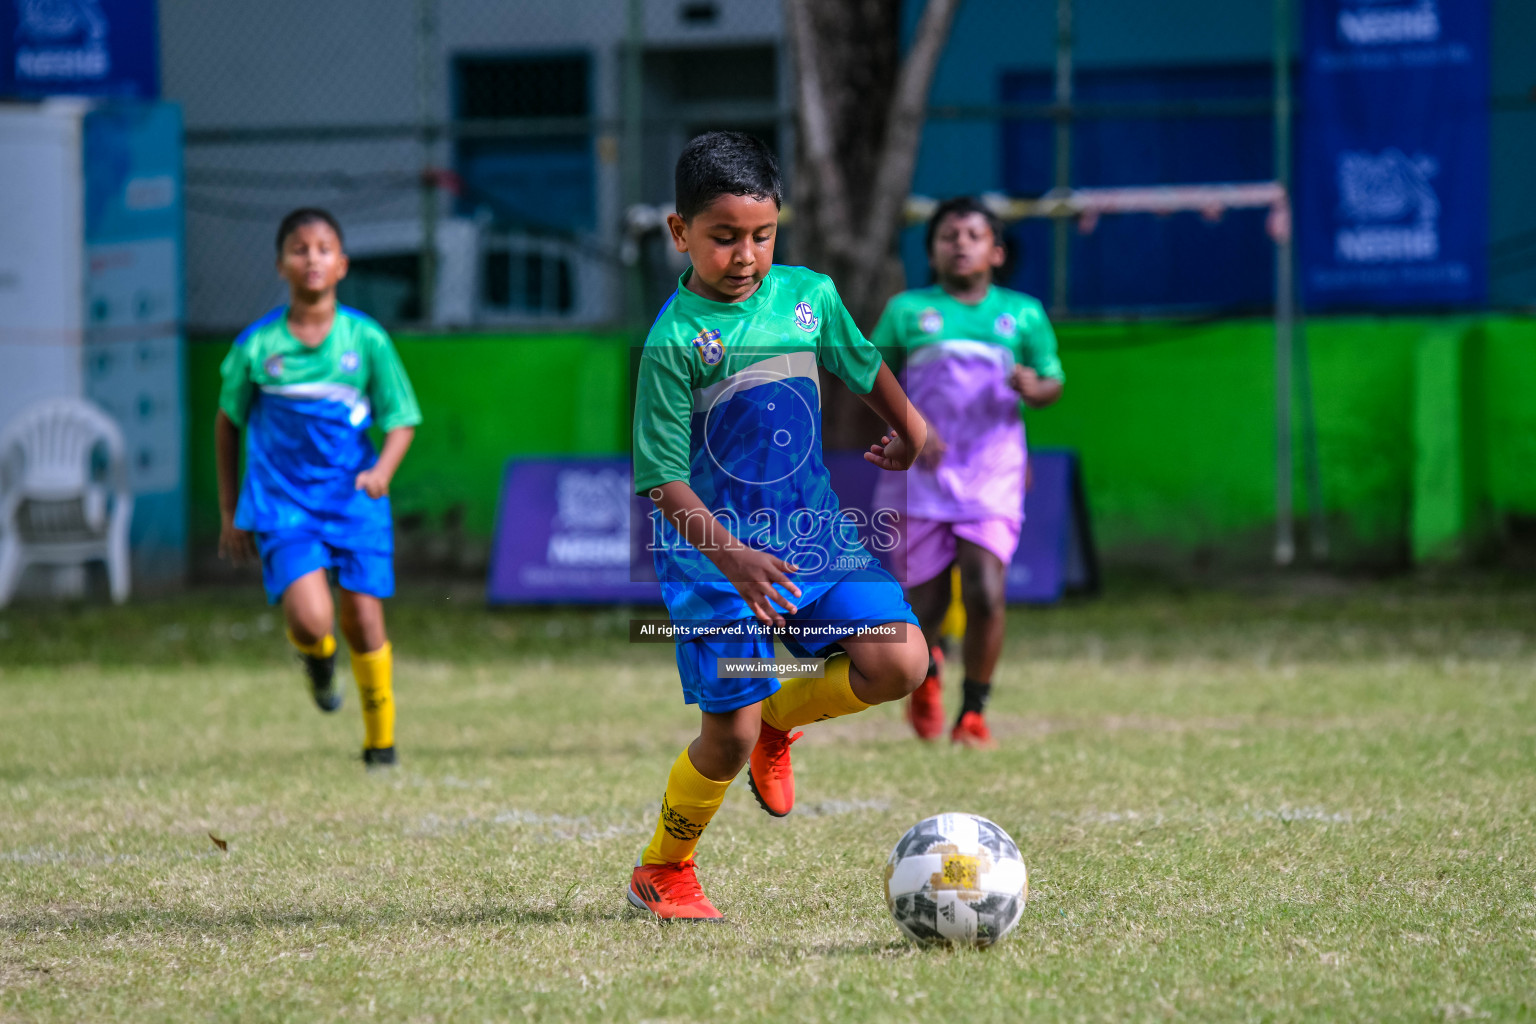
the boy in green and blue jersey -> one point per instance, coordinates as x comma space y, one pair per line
305, 383
747, 529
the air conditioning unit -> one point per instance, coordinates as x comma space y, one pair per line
385, 276
542, 279
484, 277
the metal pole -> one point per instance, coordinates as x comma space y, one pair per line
1061, 251
631, 163
1317, 532
426, 93
1285, 304
1285, 532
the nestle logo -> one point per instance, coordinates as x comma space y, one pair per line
1373, 25
592, 500
83, 62
1387, 244
1391, 200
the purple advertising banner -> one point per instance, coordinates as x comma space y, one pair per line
566, 528
563, 534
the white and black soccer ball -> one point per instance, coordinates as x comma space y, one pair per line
956, 878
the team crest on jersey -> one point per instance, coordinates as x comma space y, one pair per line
349, 362
273, 366
1005, 325
710, 349
805, 317
930, 322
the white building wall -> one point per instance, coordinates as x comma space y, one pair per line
351, 65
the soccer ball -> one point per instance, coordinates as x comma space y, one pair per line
956, 878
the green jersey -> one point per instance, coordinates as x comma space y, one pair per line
1013, 322
957, 360
356, 365
729, 401
306, 413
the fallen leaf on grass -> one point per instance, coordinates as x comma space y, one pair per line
221, 844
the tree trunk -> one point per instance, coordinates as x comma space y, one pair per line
861, 109
856, 57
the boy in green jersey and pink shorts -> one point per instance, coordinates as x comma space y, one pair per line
971, 352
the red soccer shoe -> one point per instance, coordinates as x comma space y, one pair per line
925, 708
971, 731
769, 772
671, 892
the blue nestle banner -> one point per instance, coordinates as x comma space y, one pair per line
79, 48
1394, 176
568, 530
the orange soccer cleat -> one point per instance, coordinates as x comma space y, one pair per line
671, 892
971, 731
769, 772
925, 708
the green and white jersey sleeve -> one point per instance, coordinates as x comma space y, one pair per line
1036, 337
663, 408
237, 388
389, 389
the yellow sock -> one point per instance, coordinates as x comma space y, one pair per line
322, 648
954, 618
374, 672
802, 700
686, 807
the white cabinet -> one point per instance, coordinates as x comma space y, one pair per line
91, 290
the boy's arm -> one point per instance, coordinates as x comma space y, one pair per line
1036, 391
236, 545
395, 411
375, 479
934, 448
752, 572
898, 449
1037, 376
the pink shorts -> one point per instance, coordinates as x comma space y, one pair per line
929, 544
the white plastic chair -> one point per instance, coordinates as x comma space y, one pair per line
55, 490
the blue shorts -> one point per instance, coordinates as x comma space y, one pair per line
858, 601
287, 556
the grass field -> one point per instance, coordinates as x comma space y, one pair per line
1311, 804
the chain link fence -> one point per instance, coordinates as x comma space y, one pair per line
515, 136
512, 135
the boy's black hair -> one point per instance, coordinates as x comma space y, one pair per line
306, 215
963, 206
725, 163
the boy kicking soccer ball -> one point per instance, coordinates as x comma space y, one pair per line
972, 352
727, 443
305, 382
